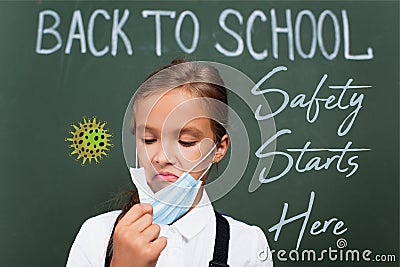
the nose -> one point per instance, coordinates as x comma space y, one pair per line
162, 158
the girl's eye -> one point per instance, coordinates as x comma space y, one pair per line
149, 141
187, 144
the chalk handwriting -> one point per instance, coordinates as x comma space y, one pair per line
314, 103
77, 32
316, 163
49, 38
305, 216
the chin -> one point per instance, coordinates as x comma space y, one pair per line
157, 184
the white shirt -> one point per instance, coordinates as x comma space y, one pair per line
190, 241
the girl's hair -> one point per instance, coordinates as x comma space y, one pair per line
198, 80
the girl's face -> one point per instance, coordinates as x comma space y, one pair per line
173, 136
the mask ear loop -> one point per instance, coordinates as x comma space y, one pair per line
208, 168
136, 159
198, 163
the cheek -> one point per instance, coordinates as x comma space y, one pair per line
147, 153
192, 153
144, 153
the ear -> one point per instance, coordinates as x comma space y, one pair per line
222, 148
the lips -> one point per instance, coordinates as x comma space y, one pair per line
167, 176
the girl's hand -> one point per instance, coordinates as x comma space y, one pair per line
135, 241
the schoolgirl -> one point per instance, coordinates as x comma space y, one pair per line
179, 123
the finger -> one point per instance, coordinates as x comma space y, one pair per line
152, 232
136, 212
159, 244
142, 223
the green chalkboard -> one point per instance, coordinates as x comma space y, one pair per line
335, 68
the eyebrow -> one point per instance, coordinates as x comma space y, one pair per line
143, 128
195, 132
191, 130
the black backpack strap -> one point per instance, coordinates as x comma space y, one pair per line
221, 247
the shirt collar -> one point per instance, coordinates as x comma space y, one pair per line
196, 219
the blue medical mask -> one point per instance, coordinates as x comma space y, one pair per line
171, 202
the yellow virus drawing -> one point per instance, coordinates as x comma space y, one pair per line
90, 140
